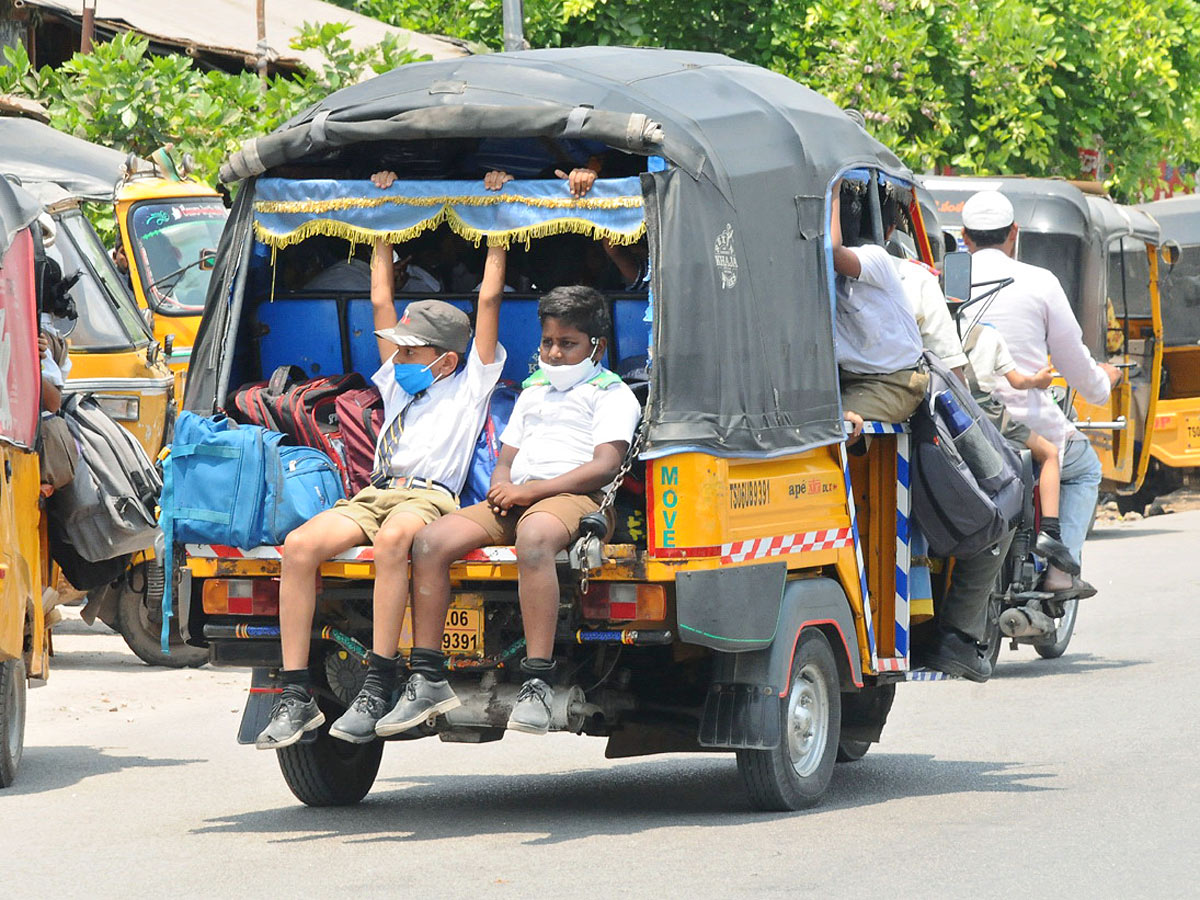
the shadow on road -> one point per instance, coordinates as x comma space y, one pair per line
626, 799
1068, 664
1108, 534
121, 660
51, 768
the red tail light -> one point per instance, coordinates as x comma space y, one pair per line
625, 602
241, 596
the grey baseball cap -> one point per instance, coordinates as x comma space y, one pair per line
431, 323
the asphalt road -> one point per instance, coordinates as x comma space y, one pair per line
1074, 777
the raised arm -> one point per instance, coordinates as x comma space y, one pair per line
383, 295
487, 310
845, 260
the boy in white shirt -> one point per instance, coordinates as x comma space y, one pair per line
434, 409
989, 362
569, 432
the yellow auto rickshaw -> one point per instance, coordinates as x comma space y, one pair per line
24, 559
1175, 445
757, 600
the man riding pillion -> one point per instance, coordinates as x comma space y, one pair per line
1035, 319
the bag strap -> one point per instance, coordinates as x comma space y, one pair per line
166, 521
282, 378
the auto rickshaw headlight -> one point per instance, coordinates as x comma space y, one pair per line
120, 407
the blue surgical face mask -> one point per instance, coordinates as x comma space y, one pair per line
413, 377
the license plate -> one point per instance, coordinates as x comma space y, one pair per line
1192, 431
464, 628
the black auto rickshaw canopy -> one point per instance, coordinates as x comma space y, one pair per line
37, 153
18, 210
1070, 233
743, 343
1179, 219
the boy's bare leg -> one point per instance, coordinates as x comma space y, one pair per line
318, 539
1048, 480
540, 538
434, 551
392, 546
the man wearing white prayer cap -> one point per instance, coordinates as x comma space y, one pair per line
1034, 317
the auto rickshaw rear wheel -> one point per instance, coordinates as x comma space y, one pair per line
12, 718
795, 774
328, 771
139, 621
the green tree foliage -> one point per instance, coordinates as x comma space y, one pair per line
983, 86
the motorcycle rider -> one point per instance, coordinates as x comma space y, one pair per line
1035, 319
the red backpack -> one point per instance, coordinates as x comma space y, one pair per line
360, 419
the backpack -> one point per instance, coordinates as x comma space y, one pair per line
108, 508
360, 418
254, 402
487, 445
237, 485
966, 479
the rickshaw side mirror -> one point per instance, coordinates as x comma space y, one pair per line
208, 260
956, 275
1170, 253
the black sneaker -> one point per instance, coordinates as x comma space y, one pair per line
957, 654
290, 719
1056, 552
531, 713
357, 724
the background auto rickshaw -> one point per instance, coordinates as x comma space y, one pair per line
755, 611
165, 222
1175, 445
115, 357
1106, 257
24, 560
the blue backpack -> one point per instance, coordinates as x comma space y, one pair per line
487, 447
238, 485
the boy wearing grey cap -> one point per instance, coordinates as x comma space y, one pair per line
435, 398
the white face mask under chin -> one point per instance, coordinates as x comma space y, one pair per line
563, 378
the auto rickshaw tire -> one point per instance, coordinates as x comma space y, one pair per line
1056, 646
795, 774
328, 771
850, 750
12, 718
139, 623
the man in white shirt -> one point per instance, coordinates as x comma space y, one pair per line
1035, 319
878, 344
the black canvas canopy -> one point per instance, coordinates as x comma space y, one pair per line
37, 153
1179, 218
743, 339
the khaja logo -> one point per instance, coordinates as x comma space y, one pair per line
726, 258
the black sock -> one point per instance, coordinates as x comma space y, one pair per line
381, 674
538, 668
296, 683
430, 663
1050, 526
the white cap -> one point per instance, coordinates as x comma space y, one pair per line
987, 211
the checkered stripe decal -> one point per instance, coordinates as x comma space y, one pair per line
827, 539
886, 428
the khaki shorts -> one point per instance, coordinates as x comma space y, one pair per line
371, 507
1016, 433
890, 397
567, 508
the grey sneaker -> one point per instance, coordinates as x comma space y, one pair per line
357, 724
531, 714
420, 699
290, 719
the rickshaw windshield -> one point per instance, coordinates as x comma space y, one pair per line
1062, 254
1129, 278
168, 237
108, 319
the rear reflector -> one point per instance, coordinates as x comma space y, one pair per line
625, 602
241, 596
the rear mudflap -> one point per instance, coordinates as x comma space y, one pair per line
264, 691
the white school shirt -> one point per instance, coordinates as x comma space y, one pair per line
557, 431
442, 424
1035, 320
876, 331
928, 305
990, 359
